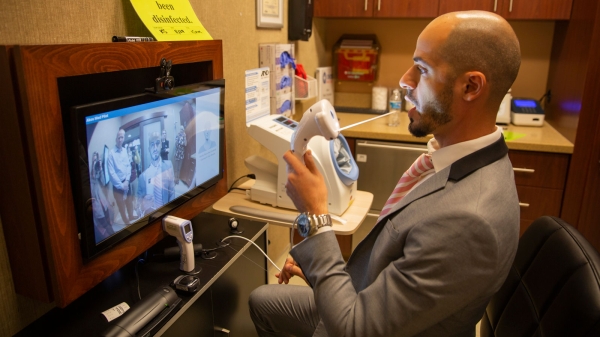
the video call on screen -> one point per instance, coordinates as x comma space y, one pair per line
167, 148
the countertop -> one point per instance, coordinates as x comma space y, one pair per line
526, 138
354, 215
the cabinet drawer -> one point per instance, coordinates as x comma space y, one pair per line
536, 201
540, 169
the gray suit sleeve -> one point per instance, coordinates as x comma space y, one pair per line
443, 267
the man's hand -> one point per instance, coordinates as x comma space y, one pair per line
289, 270
126, 186
305, 185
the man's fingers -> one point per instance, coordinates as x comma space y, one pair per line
293, 161
310, 163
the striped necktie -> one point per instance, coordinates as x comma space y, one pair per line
421, 166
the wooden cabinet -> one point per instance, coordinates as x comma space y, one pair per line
513, 9
447, 6
509, 9
376, 8
343, 8
574, 76
540, 178
405, 8
536, 9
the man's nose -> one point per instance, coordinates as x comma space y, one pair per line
409, 80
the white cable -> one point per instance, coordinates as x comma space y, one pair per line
247, 258
365, 121
255, 245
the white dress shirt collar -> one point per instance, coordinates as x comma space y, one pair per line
445, 156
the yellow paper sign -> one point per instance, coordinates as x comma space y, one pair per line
170, 20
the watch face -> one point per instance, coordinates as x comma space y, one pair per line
303, 224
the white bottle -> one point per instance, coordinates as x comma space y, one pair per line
395, 104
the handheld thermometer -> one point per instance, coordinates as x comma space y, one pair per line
182, 230
319, 120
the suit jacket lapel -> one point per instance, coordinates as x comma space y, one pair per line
457, 171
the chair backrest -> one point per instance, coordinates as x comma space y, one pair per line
553, 288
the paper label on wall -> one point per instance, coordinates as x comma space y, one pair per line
258, 102
324, 76
170, 20
116, 311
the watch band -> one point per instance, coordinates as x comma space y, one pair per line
322, 221
308, 224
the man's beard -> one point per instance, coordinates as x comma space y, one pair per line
433, 114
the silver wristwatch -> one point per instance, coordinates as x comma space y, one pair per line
308, 223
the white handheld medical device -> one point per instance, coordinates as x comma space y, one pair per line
182, 230
319, 120
333, 158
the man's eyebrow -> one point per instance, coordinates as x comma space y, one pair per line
419, 59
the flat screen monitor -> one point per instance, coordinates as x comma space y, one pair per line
134, 159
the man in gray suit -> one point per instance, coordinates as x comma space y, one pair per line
436, 256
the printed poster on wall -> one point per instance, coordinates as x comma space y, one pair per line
258, 101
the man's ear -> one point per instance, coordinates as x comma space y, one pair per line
473, 85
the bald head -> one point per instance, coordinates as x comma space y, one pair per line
480, 41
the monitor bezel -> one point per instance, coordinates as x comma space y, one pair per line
80, 178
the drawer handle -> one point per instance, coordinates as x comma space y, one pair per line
524, 205
524, 170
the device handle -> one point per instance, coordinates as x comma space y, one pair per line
187, 262
319, 120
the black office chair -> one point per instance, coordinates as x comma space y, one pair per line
553, 288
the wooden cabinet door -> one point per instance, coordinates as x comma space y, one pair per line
540, 169
537, 9
405, 8
343, 8
540, 178
447, 6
